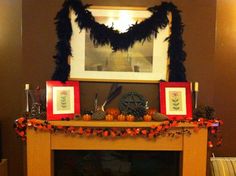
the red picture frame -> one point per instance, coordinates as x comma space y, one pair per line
62, 99
176, 100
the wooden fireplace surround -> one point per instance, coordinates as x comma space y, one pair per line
40, 145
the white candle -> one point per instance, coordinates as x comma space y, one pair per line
196, 87
26, 86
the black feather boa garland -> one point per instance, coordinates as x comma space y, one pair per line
103, 35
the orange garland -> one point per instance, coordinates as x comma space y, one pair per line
22, 123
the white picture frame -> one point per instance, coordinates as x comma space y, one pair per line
135, 73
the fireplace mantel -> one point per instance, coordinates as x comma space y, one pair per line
40, 145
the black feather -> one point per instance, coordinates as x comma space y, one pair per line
115, 90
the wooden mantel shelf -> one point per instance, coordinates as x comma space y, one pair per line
112, 123
41, 145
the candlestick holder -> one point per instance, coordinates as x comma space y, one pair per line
195, 99
37, 103
27, 99
195, 94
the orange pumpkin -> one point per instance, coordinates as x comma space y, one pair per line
113, 111
87, 117
130, 118
147, 118
121, 117
152, 111
109, 117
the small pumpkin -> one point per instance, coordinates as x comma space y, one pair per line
130, 117
147, 118
109, 117
121, 117
152, 111
113, 111
87, 117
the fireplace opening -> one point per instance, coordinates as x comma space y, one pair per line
116, 163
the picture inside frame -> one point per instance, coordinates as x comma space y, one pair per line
139, 58
144, 62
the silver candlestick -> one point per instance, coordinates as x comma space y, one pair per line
27, 96
195, 99
196, 90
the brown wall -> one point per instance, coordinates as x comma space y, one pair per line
225, 74
38, 47
11, 78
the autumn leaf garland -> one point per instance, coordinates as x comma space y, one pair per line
214, 138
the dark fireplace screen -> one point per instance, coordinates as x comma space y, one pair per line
116, 163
